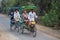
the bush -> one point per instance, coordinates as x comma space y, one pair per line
50, 19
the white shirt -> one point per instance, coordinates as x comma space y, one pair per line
16, 16
32, 16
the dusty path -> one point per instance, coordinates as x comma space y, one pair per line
6, 34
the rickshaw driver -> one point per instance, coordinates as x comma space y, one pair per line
32, 15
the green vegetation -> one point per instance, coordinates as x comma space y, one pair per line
52, 17
49, 10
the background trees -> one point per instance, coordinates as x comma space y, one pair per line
48, 9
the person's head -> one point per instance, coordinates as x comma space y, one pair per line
16, 10
11, 12
32, 10
24, 11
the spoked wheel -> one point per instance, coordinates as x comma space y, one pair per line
17, 26
22, 29
33, 30
18, 29
34, 34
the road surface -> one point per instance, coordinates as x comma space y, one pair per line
6, 34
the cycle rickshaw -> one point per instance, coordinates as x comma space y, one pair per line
22, 25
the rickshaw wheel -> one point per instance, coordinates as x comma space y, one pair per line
34, 31
22, 29
34, 34
18, 29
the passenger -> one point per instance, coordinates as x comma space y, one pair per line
11, 15
25, 15
16, 18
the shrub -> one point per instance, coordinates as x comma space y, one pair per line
50, 19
